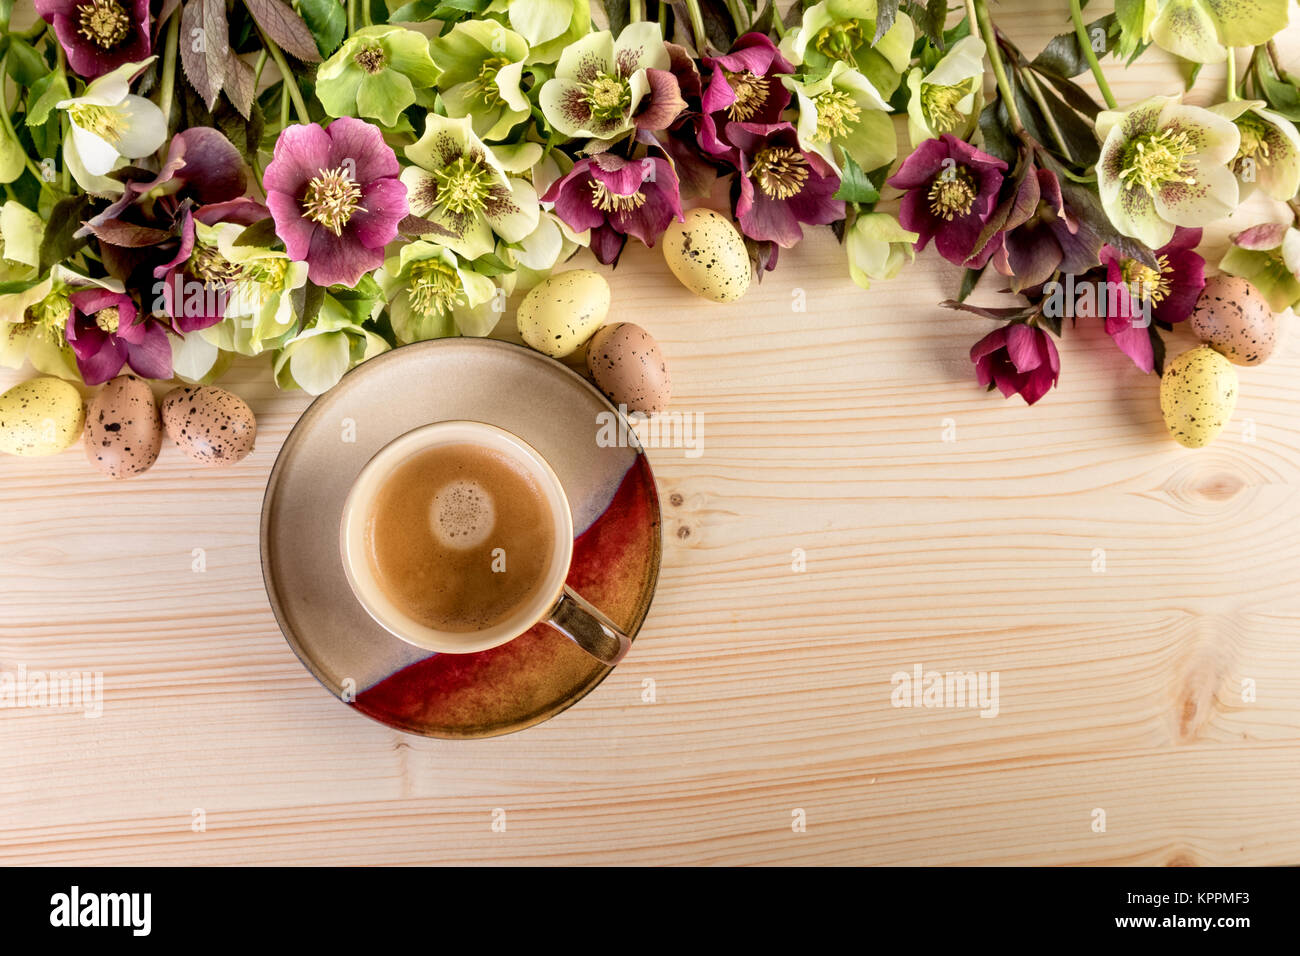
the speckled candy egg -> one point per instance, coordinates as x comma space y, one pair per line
1198, 393
40, 417
123, 433
1233, 318
628, 367
209, 424
560, 313
708, 255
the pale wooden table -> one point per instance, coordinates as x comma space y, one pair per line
1120, 690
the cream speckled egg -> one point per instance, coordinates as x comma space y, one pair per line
1233, 318
628, 367
560, 313
211, 425
707, 254
1198, 393
40, 417
123, 433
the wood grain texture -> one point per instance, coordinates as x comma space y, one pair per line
824, 430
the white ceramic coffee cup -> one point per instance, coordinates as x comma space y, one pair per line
553, 602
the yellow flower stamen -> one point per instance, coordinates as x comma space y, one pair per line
952, 193
103, 22
1151, 285
751, 93
607, 201
837, 114
1156, 159
332, 199
779, 171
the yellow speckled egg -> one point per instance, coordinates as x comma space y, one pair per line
1235, 319
40, 417
707, 254
560, 313
1198, 393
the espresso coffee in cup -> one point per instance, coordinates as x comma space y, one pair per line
457, 537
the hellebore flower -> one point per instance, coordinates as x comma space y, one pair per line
99, 35
878, 247
1162, 165
1267, 256
743, 86
107, 332
842, 30
1040, 236
1202, 30
316, 358
843, 113
482, 67
432, 295
376, 73
335, 198
34, 320
952, 189
108, 124
549, 26
781, 184
461, 184
1269, 154
616, 198
600, 83
949, 98
1017, 359
1137, 294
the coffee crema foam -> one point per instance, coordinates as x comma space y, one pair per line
460, 537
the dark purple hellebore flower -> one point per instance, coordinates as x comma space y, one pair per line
951, 191
1137, 295
99, 35
1040, 236
1018, 359
780, 184
616, 198
335, 198
744, 87
104, 335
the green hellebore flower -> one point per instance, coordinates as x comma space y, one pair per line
316, 358
842, 30
1269, 155
482, 67
33, 315
878, 247
1163, 164
21, 231
1268, 257
1203, 30
259, 313
376, 73
432, 294
843, 113
461, 184
548, 26
950, 97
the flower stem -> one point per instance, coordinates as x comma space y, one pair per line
1232, 75
636, 11
286, 77
65, 174
352, 17
778, 25
1036, 92
8, 124
737, 17
697, 25
995, 58
167, 85
1085, 44
365, 13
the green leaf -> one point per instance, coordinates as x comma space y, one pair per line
58, 243
26, 66
886, 11
1281, 96
1190, 71
929, 18
998, 139
260, 234
969, 280
854, 184
1065, 57
285, 28
326, 21
205, 63
6, 10
617, 12
44, 93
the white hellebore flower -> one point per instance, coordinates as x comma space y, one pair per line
109, 124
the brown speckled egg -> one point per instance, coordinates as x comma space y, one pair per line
1234, 319
628, 367
123, 433
211, 425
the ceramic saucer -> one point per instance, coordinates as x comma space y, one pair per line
616, 523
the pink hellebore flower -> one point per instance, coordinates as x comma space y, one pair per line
335, 198
99, 35
743, 87
616, 198
781, 184
1019, 360
104, 335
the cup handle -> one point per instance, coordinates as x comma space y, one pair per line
588, 628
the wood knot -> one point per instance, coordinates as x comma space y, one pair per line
676, 499
684, 532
